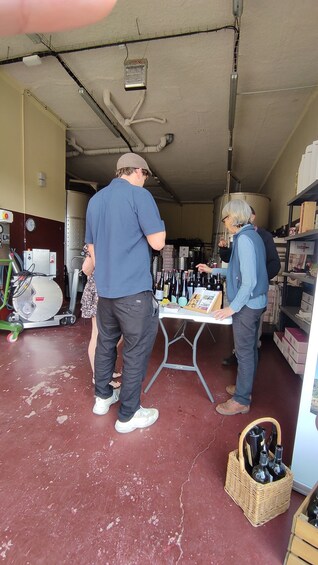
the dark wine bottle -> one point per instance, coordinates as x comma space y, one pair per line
312, 510
219, 286
276, 466
272, 440
253, 445
198, 282
209, 283
190, 284
260, 472
159, 287
166, 286
178, 287
314, 522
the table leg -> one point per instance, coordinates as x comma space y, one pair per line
193, 367
165, 357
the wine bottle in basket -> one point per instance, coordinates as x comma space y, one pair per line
253, 445
260, 472
272, 440
276, 466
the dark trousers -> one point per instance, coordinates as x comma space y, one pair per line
136, 318
245, 331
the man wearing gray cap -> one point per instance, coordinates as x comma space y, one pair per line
122, 225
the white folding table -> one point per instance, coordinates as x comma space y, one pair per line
185, 316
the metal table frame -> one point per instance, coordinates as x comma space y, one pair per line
185, 316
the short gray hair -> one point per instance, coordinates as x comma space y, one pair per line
239, 211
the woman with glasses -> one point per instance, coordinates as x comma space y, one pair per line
247, 286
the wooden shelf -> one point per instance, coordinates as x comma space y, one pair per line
291, 312
302, 277
307, 195
311, 234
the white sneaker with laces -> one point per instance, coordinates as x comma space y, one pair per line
143, 418
102, 405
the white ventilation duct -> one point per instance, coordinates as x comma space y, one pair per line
136, 142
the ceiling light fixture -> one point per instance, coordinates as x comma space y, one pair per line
237, 8
98, 111
31, 60
136, 74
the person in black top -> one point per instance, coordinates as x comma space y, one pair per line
272, 265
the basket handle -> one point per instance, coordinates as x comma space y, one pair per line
248, 428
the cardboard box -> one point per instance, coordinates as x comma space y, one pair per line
278, 339
298, 368
305, 307
307, 298
290, 351
307, 216
303, 541
297, 338
183, 251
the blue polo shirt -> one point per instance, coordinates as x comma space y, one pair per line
118, 219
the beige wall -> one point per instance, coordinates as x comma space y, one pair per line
32, 140
188, 221
280, 185
11, 175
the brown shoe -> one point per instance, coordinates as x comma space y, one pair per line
230, 389
231, 407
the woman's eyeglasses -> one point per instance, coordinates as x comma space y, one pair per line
145, 173
223, 219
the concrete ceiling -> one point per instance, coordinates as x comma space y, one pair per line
189, 47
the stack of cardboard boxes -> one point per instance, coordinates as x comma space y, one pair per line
293, 344
168, 258
271, 315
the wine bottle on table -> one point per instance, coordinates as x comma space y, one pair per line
190, 284
260, 472
198, 282
160, 287
166, 287
172, 289
178, 287
219, 286
276, 466
183, 298
209, 283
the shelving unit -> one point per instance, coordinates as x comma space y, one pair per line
291, 295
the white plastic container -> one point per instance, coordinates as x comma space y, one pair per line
314, 162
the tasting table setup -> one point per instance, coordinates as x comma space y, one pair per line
185, 316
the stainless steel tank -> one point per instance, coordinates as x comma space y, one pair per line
76, 205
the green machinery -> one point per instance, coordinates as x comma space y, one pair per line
13, 327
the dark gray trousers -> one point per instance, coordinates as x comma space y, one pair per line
245, 331
136, 318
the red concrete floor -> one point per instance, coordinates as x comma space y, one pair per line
75, 491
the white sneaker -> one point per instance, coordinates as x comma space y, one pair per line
143, 418
102, 405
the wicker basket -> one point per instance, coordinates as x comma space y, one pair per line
260, 503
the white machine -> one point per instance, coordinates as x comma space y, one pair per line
37, 298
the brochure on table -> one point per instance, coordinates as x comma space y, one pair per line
305, 455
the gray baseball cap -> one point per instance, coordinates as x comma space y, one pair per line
132, 160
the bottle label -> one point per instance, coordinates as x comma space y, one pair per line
159, 295
182, 301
